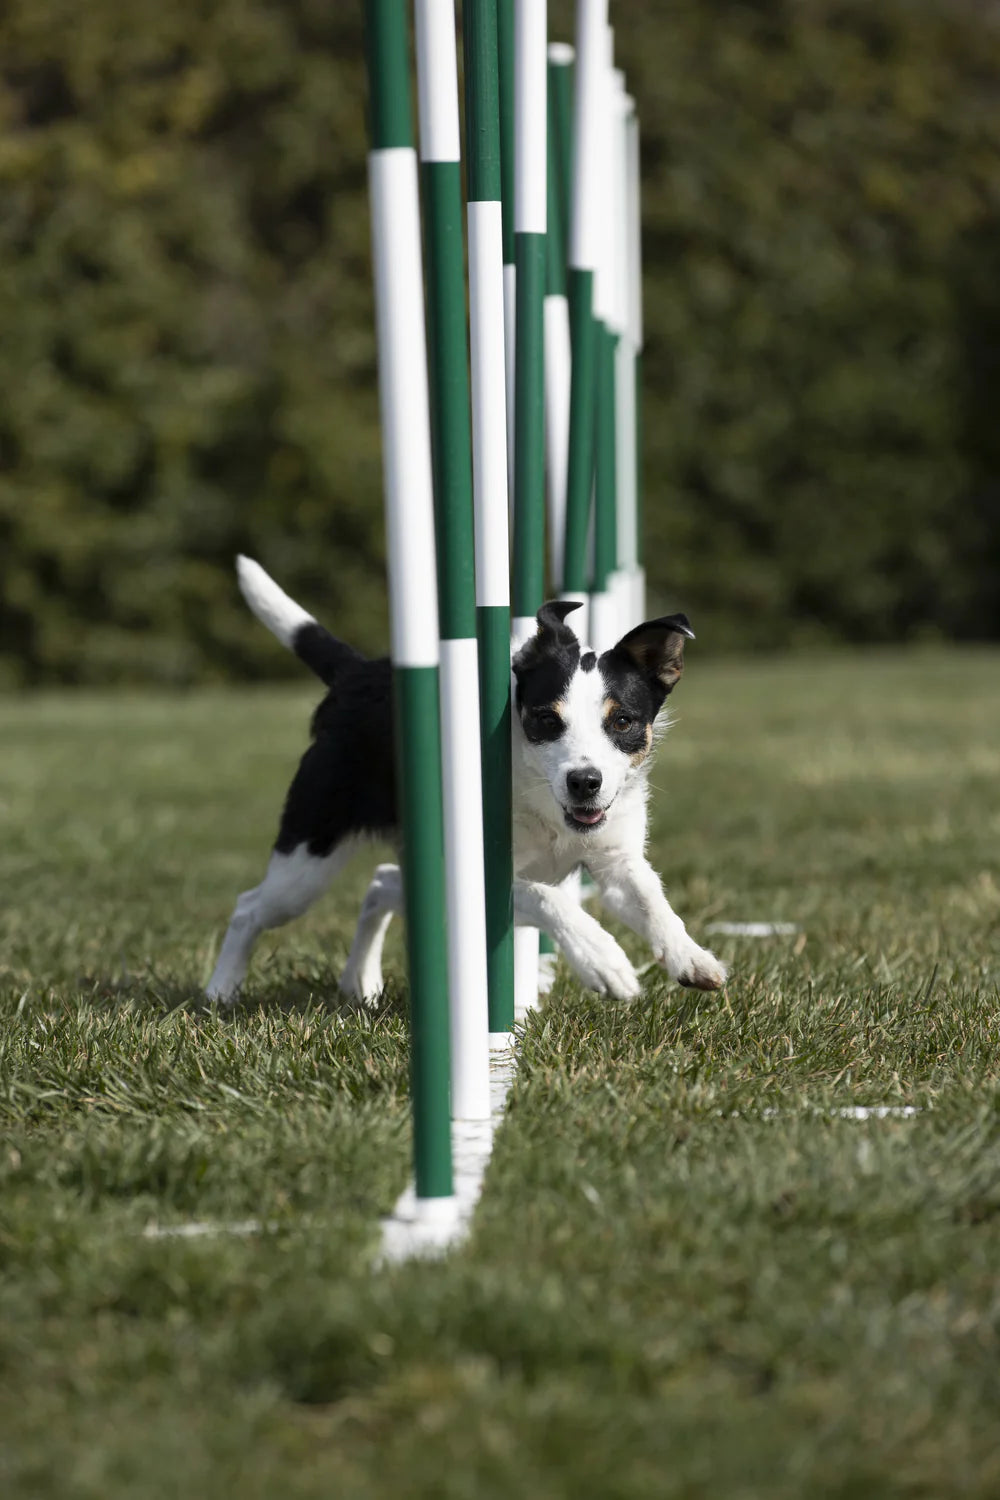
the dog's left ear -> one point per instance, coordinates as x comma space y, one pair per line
657, 648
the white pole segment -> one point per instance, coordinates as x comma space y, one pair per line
526, 971
489, 418
465, 884
530, 117
404, 405
437, 81
604, 174
634, 227
558, 365
585, 219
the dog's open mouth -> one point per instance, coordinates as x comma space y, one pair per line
585, 817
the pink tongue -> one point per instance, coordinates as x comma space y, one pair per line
587, 817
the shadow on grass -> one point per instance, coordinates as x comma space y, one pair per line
151, 996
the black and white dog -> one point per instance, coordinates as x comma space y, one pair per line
583, 731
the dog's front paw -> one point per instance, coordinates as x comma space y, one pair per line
364, 984
599, 962
696, 968
221, 993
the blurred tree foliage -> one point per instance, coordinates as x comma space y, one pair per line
187, 349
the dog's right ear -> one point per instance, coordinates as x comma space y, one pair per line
657, 648
552, 635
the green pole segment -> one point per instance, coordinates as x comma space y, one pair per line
605, 479
530, 224
505, 61
418, 777
585, 239
561, 136
452, 449
529, 429
489, 437
411, 548
582, 393
555, 226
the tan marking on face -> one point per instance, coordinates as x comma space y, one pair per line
640, 755
610, 706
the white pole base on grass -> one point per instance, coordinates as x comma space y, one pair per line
427, 1229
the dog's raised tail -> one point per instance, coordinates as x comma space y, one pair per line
321, 652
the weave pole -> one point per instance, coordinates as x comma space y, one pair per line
583, 257
437, 92
631, 546
506, 63
489, 453
557, 341
530, 189
409, 514
604, 622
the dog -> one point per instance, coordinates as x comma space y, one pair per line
583, 728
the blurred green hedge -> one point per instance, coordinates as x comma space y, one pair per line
186, 326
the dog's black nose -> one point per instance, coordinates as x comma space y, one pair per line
584, 783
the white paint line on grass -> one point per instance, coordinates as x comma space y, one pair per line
754, 929
430, 1228
201, 1228
853, 1112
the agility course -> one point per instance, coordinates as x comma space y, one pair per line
741, 1244
546, 453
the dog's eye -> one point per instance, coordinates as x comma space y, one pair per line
548, 721
622, 722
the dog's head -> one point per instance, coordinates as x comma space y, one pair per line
588, 720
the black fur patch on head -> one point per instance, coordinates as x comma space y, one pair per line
646, 665
542, 670
632, 694
588, 661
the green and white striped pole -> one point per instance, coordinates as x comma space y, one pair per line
530, 188
489, 467
557, 348
506, 63
623, 582
409, 507
584, 252
604, 600
437, 92
557, 342
631, 544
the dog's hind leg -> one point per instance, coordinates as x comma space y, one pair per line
362, 976
292, 883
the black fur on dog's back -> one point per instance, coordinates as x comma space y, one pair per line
345, 783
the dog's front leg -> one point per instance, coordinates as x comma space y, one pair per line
362, 976
593, 955
631, 890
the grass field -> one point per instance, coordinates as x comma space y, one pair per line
687, 1276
